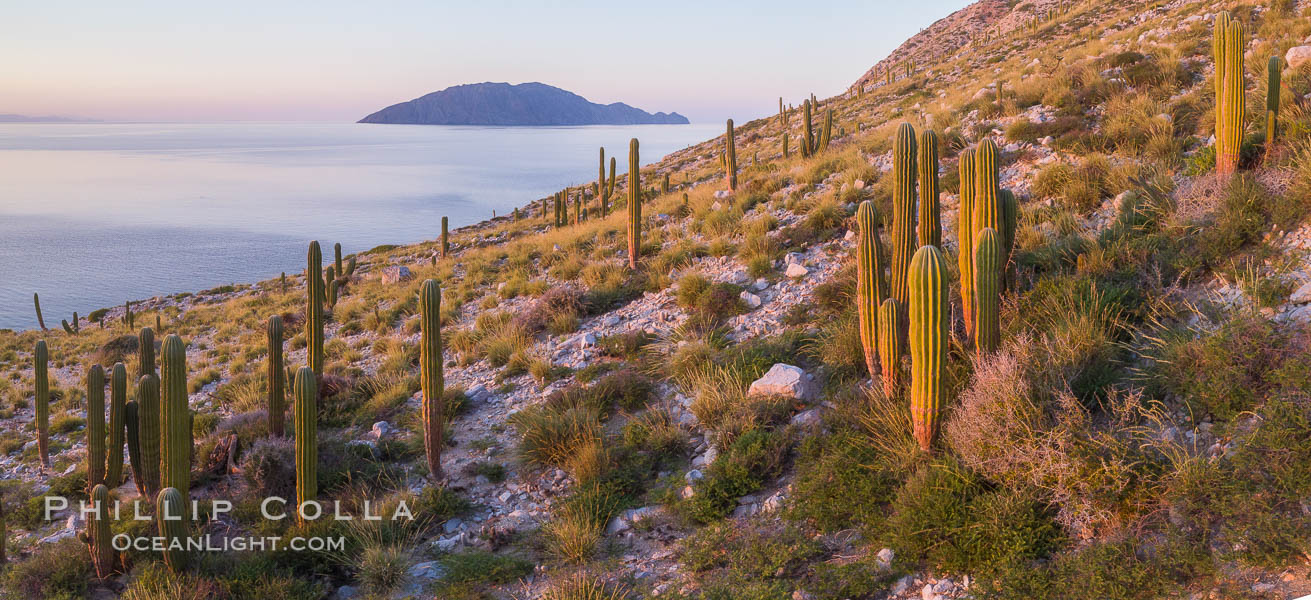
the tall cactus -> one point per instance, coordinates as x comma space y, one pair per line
148, 429
340, 269
41, 378
145, 352
610, 192
891, 344
313, 310
871, 289
174, 417
446, 239
276, 376
333, 286
117, 417
307, 450
95, 426
965, 237
98, 532
730, 166
132, 426
430, 374
634, 204
170, 520
1274, 79
1230, 99
928, 339
987, 290
36, 300
987, 206
601, 190
786, 154
825, 134
1010, 223
929, 230
807, 136
903, 210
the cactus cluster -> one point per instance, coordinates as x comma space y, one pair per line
634, 204
430, 375
1230, 100
730, 166
810, 143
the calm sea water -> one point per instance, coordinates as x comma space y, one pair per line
95, 214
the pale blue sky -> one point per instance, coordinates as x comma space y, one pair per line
332, 60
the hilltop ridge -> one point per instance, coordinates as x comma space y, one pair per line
503, 104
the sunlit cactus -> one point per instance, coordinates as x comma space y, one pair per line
1230, 98
929, 228
928, 338
174, 417
871, 289
891, 344
903, 210
634, 205
987, 290
965, 237
41, 379
730, 166
987, 206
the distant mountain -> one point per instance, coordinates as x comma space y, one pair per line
522, 104
12, 118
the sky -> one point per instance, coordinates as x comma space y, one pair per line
334, 60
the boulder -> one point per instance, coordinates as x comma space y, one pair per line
1301, 295
396, 274
750, 299
796, 270
783, 380
1297, 56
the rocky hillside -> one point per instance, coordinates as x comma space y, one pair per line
503, 104
1124, 414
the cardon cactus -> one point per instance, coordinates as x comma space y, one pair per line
332, 293
929, 229
664, 183
1274, 79
1010, 222
871, 289
339, 268
928, 340
36, 300
314, 297
600, 182
891, 343
446, 238
145, 352
786, 153
132, 426
117, 417
276, 376
41, 377
987, 290
825, 134
987, 206
610, 191
174, 417
171, 522
807, 136
307, 450
965, 237
730, 166
634, 205
98, 532
148, 427
95, 426
430, 374
1230, 99
903, 210
578, 208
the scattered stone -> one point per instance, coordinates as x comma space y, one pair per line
885, 557
807, 419
761, 284
427, 570
1297, 56
694, 475
750, 299
395, 274
783, 380
796, 270
381, 429
1301, 295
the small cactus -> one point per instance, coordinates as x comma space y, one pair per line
98, 533
117, 416
634, 204
891, 344
871, 289
929, 229
36, 300
903, 210
332, 294
664, 183
610, 193
170, 520
987, 290
148, 428
276, 376
446, 239
928, 339
1274, 79
430, 375
307, 452
786, 153
41, 377
965, 237
314, 297
95, 426
174, 417
1230, 98
730, 166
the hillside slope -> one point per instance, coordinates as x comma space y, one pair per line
707, 425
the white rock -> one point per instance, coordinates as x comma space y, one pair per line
807, 419
586, 340
902, 585
860, 184
761, 284
796, 270
752, 300
427, 570
381, 429
850, 236
617, 525
927, 593
1297, 56
395, 274
885, 557
1301, 295
693, 475
610, 321
688, 492
783, 380
452, 525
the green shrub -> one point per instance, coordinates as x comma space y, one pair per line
59, 571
